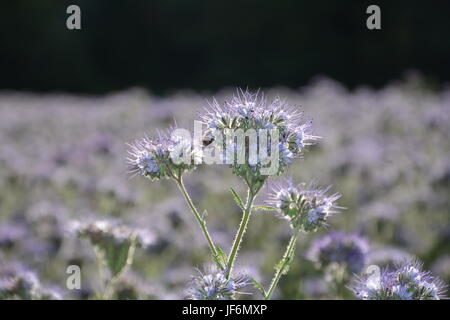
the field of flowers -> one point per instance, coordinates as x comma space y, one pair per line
63, 173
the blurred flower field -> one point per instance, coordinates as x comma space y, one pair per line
63, 161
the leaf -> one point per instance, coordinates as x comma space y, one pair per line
221, 257
279, 265
259, 286
283, 265
285, 270
116, 257
204, 215
263, 208
237, 199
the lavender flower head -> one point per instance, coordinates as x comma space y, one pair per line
248, 111
339, 250
11, 234
20, 286
168, 156
18, 282
214, 285
307, 208
407, 281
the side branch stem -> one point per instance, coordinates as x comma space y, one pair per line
198, 217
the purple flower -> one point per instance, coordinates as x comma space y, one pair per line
214, 285
11, 234
163, 157
407, 281
337, 249
18, 282
105, 232
247, 112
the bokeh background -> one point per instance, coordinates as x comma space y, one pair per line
70, 100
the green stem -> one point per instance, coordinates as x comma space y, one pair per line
197, 215
239, 235
339, 283
285, 261
109, 290
99, 262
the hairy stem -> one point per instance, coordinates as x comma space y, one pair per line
239, 235
197, 215
283, 265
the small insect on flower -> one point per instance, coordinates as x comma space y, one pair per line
407, 281
214, 285
337, 249
306, 207
168, 156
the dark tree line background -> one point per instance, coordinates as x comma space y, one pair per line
207, 44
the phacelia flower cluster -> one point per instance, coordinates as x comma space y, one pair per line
407, 281
21, 283
246, 111
114, 244
168, 156
306, 207
105, 232
339, 250
214, 285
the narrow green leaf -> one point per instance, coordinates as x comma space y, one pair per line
221, 257
259, 286
279, 266
263, 208
237, 199
283, 265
